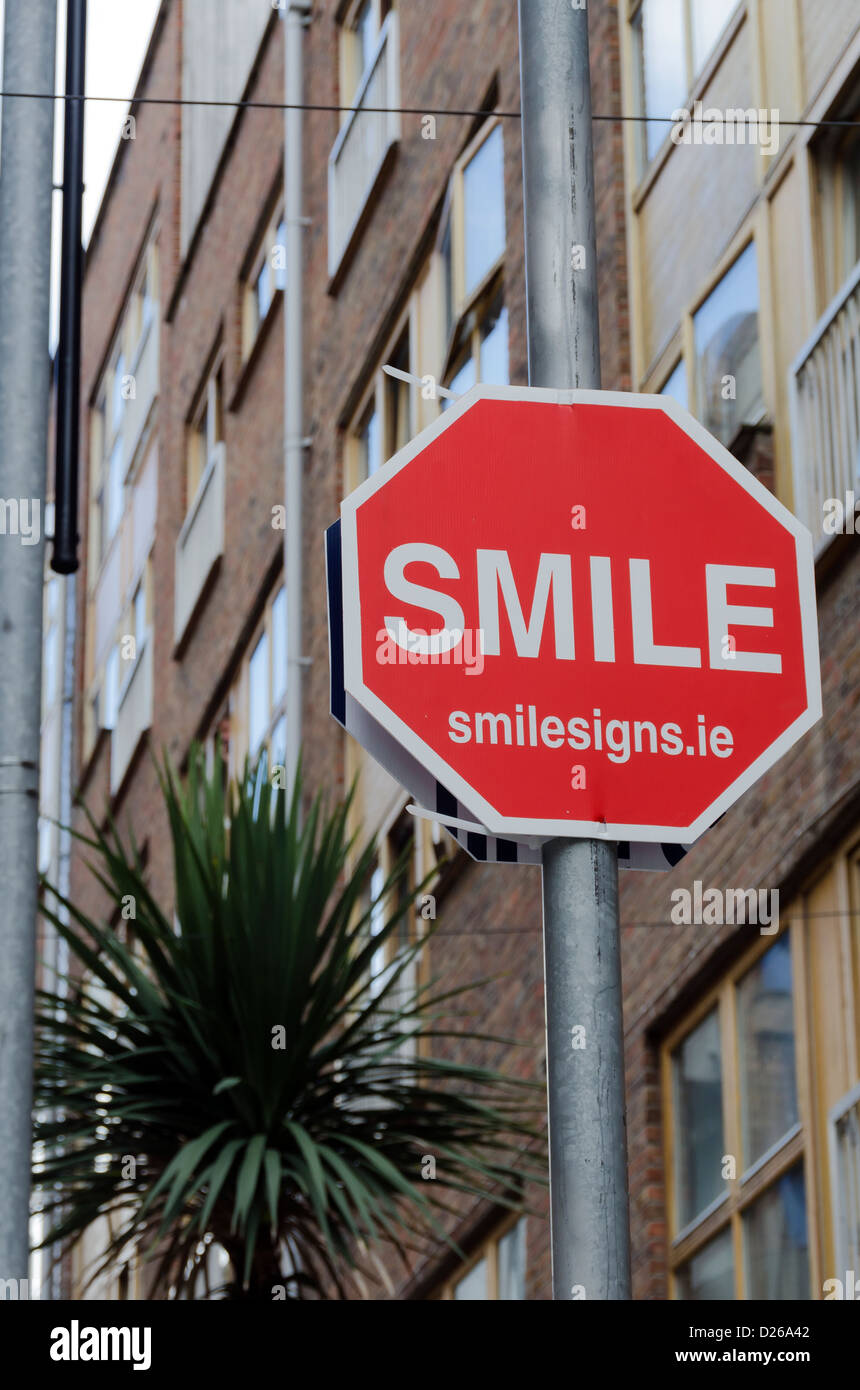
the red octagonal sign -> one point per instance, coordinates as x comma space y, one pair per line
580, 613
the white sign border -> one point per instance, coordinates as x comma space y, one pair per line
495, 823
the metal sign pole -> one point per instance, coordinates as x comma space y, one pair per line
585, 1047
26, 165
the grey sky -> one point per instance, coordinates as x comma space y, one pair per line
117, 36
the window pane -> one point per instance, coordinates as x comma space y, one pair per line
698, 1119
111, 701
398, 400
484, 194
775, 1241
263, 292
709, 20
258, 682
370, 445
114, 506
118, 399
512, 1262
279, 257
447, 261
279, 744
710, 1274
766, 1038
462, 380
847, 1206
365, 27
139, 616
279, 647
494, 348
662, 66
676, 386
377, 922
728, 360
474, 1285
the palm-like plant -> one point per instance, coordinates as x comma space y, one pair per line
231, 1074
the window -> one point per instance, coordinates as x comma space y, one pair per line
114, 435
497, 1270
472, 240
134, 625
139, 614
120, 469
676, 385
775, 1241
111, 688
398, 843
359, 38
256, 718
483, 355
369, 442
369, 58
845, 1145
699, 1119
107, 457
471, 248
266, 278
205, 432
377, 922
484, 209
765, 1013
141, 310
727, 352
385, 421
709, 1274
736, 1140
837, 174
673, 40
455, 329
397, 399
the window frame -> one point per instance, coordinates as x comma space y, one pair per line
128, 626
487, 1249
252, 321
681, 348
726, 266
453, 224
374, 398
793, 1148
238, 711
400, 827
138, 319
831, 193
695, 76
351, 70
209, 410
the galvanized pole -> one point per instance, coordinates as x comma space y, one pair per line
585, 1046
26, 175
295, 19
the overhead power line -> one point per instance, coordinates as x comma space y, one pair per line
400, 110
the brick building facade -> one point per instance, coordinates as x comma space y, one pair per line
184, 468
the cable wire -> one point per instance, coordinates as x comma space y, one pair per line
392, 110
